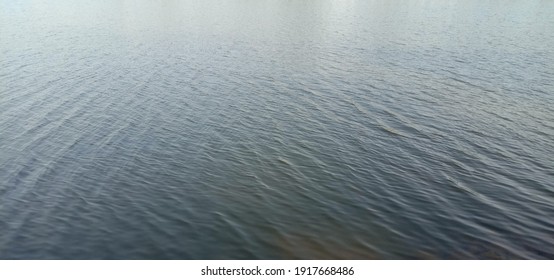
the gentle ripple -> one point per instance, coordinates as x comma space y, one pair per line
276, 129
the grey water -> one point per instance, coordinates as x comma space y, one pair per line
276, 129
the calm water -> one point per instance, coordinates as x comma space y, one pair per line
276, 129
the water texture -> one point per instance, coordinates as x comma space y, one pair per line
276, 129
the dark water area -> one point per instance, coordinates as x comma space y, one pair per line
276, 129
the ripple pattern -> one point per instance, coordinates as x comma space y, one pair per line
276, 129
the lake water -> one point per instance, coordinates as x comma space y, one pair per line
273, 129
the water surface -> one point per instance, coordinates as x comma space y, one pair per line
276, 129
